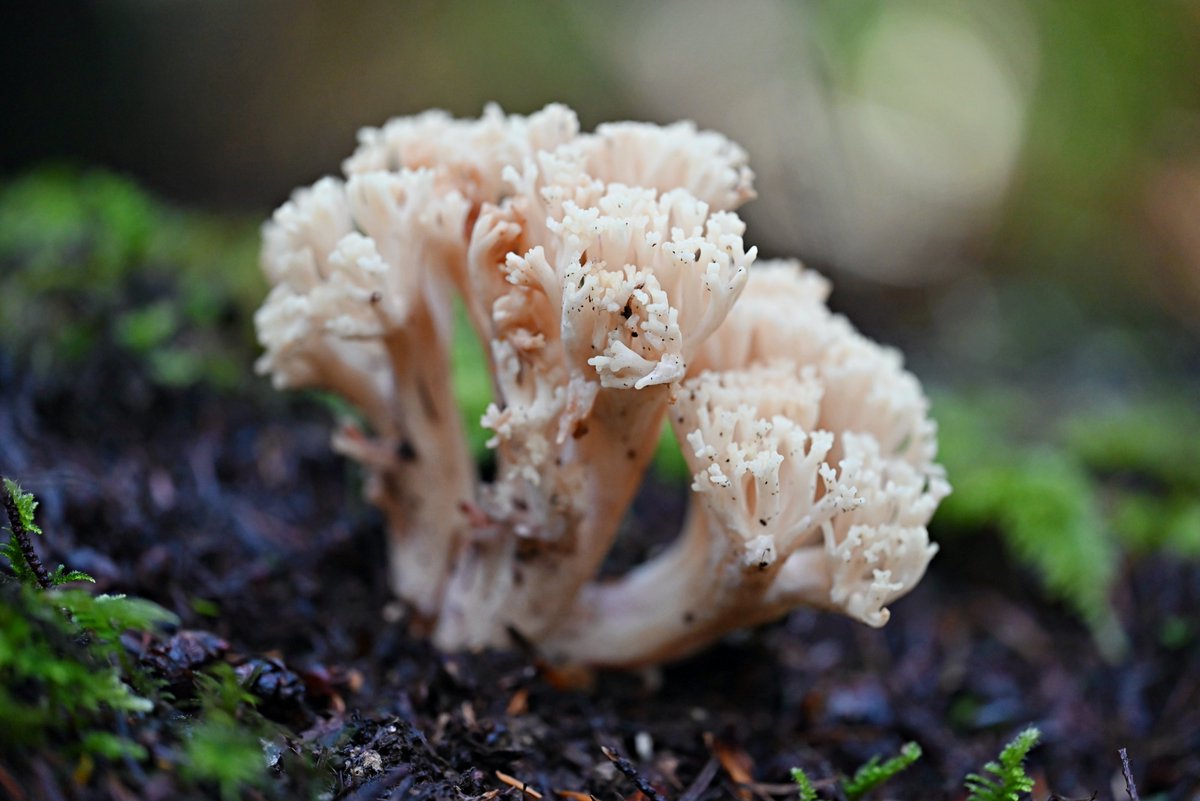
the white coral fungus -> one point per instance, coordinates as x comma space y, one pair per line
607, 276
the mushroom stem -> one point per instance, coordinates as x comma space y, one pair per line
681, 600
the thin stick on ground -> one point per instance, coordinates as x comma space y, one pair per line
1130, 786
707, 774
626, 767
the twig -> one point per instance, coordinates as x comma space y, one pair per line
1130, 787
517, 784
707, 774
626, 767
22, 537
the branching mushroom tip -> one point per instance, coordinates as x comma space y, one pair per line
607, 276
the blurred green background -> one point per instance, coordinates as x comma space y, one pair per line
956, 166
1009, 190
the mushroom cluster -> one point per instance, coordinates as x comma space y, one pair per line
607, 277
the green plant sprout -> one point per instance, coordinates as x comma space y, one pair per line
804, 785
1005, 778
869, 775
875, 772
19, 507
1008, 780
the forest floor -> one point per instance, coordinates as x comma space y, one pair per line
229, 509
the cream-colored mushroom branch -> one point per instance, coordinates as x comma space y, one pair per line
607, 277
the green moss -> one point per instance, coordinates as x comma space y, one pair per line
1005, 779
53, 689
1072, 499
223, 743
877, 771
66, 681
1041, 499
63, 671
1154, 438
224, 753
72, 230
149, 327
90, 261
804, 785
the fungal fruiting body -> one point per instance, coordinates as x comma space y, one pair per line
607, 277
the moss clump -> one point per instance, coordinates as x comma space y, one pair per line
1005, 779
64, 676
88, 260
1094, 487
70, 685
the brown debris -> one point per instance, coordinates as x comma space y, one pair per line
737, 764
518, 784
518, 704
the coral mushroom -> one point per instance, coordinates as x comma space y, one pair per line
607, 276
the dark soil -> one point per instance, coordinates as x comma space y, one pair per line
232, 512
